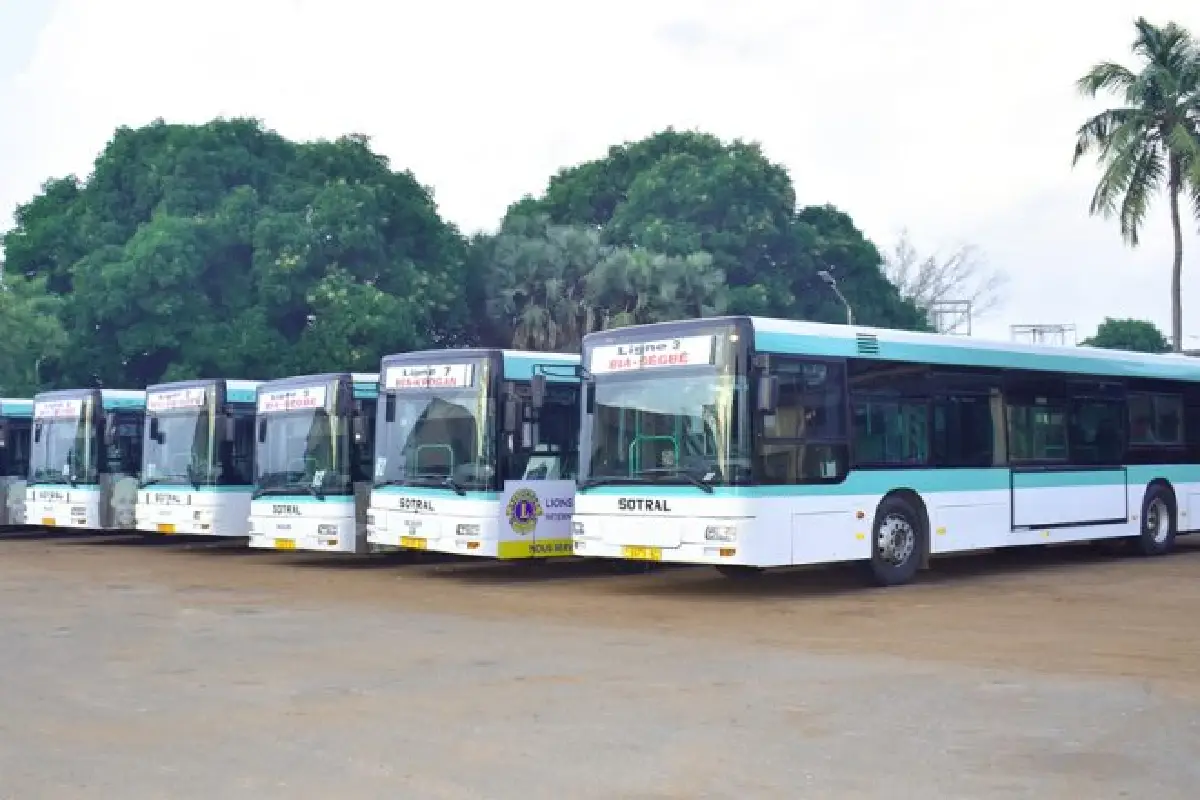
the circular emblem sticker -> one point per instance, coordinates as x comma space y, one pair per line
523, 511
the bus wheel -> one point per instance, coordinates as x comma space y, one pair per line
738, 572
1158, 522
897, 543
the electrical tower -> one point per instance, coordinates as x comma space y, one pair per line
1062, 335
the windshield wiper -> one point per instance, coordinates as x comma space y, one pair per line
611, 480
674, 472
150, 482
437, 481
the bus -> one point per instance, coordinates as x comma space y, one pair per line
197, 458
312, 462
16, 428
476, 453
86, 458
748, 443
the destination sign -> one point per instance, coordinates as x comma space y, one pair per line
429, 376
175, 399
685, 351
298, 399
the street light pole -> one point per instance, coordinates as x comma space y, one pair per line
825, 276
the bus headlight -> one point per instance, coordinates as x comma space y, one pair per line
467, 529
720, 533
327, 530
577, 529
370, 517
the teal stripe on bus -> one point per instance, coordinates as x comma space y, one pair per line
951, 355
300, 499
923, 481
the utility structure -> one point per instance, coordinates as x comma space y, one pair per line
951, 317
1062, 334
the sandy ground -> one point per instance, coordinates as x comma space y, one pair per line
165, 668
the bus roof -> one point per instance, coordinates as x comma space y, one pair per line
110, 399
365, 385
16, 407
821, 339
236, 391
518, 365
800, 338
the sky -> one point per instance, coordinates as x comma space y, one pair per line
953, 119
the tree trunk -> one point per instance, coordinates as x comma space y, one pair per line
1176, 268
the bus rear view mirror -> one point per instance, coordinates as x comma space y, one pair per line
510, 413
768, 393
3, 433
589, 398
110, 429
155, 431
262, 430
537, 390
358, 428
229, 429
389, 408
37, 432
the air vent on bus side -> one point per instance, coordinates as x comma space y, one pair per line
868, 345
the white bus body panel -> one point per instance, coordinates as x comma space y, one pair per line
107, 506
816, 528
529, 519
336, 524
12, 501
190, 512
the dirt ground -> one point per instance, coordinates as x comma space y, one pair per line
1123, 628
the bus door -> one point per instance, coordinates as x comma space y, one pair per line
1067, 460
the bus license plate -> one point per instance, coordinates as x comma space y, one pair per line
642, 553
285, 544
413, 542
166, 527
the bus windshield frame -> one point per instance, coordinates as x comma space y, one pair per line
437, 425
302, 441
667, 409
180, 438
66, 447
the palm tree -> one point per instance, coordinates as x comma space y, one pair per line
1154, 136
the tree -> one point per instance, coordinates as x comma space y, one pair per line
1128, 334
1151, 141
960, 276
30, 331
548, 285
225, 250
678, 194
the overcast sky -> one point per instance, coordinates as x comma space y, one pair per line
953, 118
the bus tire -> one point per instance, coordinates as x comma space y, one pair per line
1158, 528
739, 572
897, 543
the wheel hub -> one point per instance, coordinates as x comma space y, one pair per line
896, 540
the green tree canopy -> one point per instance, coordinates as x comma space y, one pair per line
225, 250
679, 194
1151, 141
1128, 334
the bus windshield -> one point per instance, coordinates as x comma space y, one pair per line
671, 428
179, 447
65, 448
437, 436
302, 451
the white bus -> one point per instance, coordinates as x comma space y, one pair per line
16, 430
748, 443
86, 458
476, 453
197, 458
313, 462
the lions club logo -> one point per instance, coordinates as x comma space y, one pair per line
523, 511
